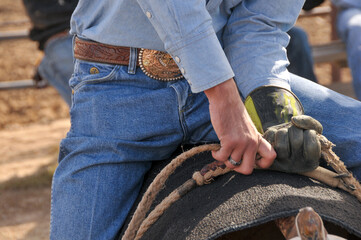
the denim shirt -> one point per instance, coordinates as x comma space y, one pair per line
212, 40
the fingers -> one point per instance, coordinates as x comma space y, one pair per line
282, 144
307, 122
295, 136
249, 158
236, 153
311, 146
223, 153
267, 154
245, 153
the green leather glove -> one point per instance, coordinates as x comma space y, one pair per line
278, 115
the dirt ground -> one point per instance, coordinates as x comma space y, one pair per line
33, 121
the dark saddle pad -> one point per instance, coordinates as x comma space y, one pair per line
235, 202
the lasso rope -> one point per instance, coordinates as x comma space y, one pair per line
157, 185
140, 223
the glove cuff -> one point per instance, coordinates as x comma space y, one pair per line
270, 105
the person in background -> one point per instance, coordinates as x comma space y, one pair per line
50, 28
299, 51
348, 26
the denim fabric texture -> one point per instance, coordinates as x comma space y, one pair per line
241, 38
120, 122
349, 29
300, 55
347, 3
57, 65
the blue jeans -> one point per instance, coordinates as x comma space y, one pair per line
300, 55
57, 65
349, 29
121, 122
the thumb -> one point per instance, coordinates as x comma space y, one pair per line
307, 122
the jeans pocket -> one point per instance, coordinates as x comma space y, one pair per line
88, 72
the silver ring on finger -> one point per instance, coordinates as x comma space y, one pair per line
234, 163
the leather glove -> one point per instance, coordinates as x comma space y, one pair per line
278, 115
296, 144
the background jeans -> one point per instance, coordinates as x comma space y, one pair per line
300, 55
57, 65
122, 122
349, 29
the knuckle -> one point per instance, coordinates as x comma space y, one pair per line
251, 140
233, 141
272, 155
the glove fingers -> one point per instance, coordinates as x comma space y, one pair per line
311, 147
269, 135
282, 144
307, 122
295, 135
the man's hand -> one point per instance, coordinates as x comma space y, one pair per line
238, 136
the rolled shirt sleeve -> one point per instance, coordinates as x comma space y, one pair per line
185, 27
255, 41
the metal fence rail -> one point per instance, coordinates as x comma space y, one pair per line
10, 35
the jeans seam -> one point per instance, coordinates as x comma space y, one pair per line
94, 205
51, 205
181, 114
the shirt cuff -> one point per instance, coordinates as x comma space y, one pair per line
246, 89
202, 62
259, 72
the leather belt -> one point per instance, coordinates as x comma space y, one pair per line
155, 64
99, 52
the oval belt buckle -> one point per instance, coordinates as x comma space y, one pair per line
158, 65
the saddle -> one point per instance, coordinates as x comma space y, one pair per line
235, 206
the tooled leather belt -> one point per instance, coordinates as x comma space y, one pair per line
155, 64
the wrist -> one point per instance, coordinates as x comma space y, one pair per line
271, 105
225, 92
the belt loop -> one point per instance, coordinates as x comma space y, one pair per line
133, 54
73, 43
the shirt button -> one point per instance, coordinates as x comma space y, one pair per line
182, 71
149, 15
177, 59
